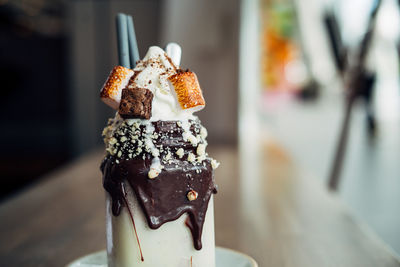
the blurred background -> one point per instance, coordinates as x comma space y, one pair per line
318, 78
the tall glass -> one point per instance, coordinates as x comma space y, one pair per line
131, 242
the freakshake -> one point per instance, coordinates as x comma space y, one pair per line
156, 172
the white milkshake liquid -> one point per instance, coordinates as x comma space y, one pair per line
171, 245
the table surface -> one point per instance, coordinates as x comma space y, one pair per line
265, 207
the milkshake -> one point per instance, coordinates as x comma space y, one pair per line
157, 174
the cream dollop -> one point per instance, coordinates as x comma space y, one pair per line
153, 72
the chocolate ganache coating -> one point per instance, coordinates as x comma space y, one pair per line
163, 198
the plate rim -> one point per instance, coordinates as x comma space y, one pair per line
253, 261
249, 258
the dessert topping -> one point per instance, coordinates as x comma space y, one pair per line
187, 90
154, 90
136, 103
112, 88
153, 173
214, 164
191, 157
132, 138
192, 195
168, 156
187, 134
201, 149
152, 73
192, 139
180, 152
203, 132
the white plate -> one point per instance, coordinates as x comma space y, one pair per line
224, 258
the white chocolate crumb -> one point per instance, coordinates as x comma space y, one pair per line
214, 164
201, 158
113, 140
191, 157
203, 132
119, 154
123, 139
105, 131
180, 152
168, 156
192, 139
201, 149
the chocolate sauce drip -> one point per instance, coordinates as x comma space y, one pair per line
134, 228
164, 198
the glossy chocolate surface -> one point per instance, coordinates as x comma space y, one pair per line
164, 198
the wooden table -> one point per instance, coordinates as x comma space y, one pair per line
274, 213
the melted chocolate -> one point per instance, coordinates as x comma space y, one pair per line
134, 228
164, 198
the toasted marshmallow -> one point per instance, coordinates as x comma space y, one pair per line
112, 88
187, 91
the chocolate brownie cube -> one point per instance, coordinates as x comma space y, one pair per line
136, 103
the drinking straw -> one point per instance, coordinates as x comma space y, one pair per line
174, 51
122, 39
133, 47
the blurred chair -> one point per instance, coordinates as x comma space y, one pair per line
338, 48
357, 81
